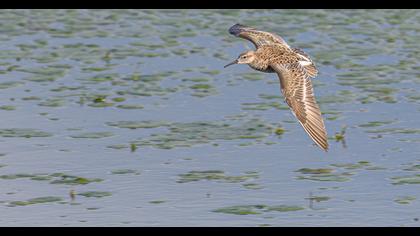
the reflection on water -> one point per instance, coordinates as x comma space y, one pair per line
130, 116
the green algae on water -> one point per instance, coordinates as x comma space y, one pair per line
405, 199
413, 179
42, 178
257, 209
137, 124
413, 168
118, 99
279, 131
241, 210
118, 146
284, 208
263, 106
318, 198
358, 165
133, 147
8, 108
375, 124
23, 133
253, 186
124, 171
395, 131
157, 201
95, 194
55, 178
52, 102
36, 201
16, 176
130, 106
333, 177
340, 137
315, 171
215, 175
10, 84
189, 134
93, 135
72, 180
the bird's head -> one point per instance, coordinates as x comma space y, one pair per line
244, 58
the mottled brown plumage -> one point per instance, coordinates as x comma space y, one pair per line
294, 69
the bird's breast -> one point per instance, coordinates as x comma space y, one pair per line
262, 68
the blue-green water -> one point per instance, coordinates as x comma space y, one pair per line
127, 118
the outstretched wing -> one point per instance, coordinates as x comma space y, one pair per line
297, 90
257, 37
306, 62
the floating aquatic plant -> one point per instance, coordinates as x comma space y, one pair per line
38, 200
215, 175
257, 209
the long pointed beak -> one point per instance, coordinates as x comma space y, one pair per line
232, 63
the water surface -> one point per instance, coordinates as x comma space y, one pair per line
127, 118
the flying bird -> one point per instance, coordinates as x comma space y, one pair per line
294, 69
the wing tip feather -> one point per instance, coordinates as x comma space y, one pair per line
318, 135
236, 29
